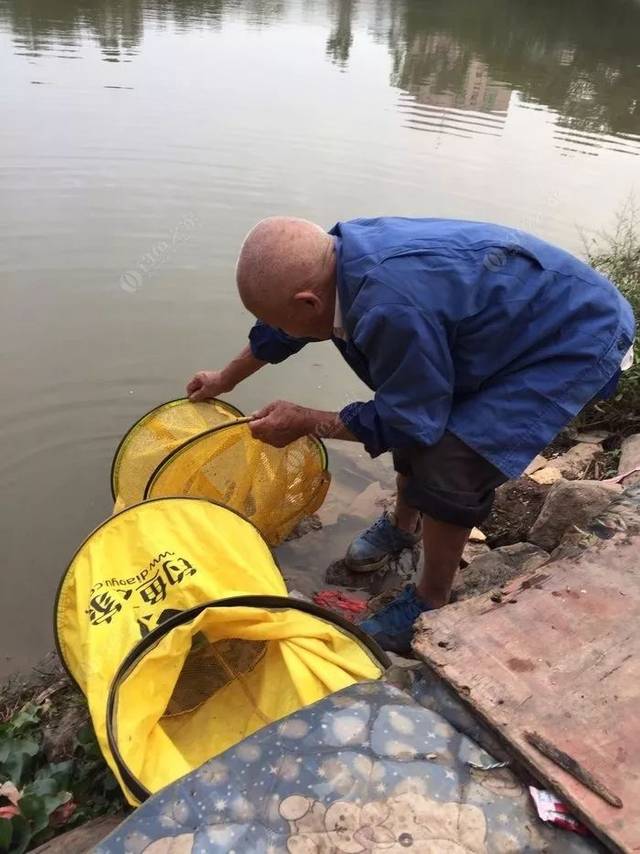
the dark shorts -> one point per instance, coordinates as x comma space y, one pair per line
448, 481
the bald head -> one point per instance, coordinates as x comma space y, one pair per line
286, 276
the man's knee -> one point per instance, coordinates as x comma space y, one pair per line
448, 481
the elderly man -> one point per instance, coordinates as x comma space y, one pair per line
479, 342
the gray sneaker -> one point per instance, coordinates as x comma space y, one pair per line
372, 548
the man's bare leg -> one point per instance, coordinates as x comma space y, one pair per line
407, 518
443, 547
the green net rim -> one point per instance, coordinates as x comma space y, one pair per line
317, 443
170, 404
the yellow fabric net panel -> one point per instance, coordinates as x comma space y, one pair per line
273, 487
145, 563
257, 665
167, 690
155, 436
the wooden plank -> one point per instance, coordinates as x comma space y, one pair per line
83, 839
558, 656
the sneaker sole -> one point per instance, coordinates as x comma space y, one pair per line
364, 569
374, 567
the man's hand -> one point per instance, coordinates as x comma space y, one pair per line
280, 423
207, 384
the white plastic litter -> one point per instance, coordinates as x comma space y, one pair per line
550, 808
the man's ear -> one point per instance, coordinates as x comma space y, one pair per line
309, 299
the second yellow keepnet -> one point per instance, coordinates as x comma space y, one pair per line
173, 619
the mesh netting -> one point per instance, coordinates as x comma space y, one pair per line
209, 667
273, 487
155, 436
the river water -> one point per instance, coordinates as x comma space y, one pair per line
140, 140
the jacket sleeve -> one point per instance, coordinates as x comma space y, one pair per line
410, 363
273, 345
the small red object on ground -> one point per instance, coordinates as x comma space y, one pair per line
335, 600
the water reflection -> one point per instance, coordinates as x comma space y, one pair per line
341, 36
456, 63
57, 26
446, 85
583, 63
118, 27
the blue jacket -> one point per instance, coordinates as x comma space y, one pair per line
485, 331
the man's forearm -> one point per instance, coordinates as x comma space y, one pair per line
281, 422
328, 425
244, 365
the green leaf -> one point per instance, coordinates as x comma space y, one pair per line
25, 719
42, 787
61, 772
15, 756
40, 799
20, 835
33, 808
5, 834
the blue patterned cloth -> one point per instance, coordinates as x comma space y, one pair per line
368, 769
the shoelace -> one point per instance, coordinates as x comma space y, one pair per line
378, 533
